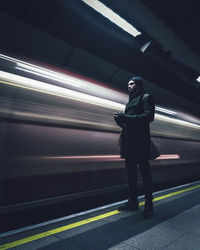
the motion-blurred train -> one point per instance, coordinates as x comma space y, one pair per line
58, 139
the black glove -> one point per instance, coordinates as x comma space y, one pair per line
119, 117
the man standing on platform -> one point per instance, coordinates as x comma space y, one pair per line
135, 143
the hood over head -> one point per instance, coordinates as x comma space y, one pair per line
137, 80
135, 97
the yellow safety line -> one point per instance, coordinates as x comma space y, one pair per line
175, 193
83, 222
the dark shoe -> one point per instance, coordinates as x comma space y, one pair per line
129, 207
148, 210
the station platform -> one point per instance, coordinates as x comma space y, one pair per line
175, 225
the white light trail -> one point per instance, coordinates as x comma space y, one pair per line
167, 111
168, 157
44, 72
86, 157
40, 86
50, 75
73, 81
105, 157
46, 88
76, 82
112, 16
176, 121
198, 79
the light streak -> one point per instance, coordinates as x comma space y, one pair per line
106, 157
52, 76
167, 111
46, 88
168, 157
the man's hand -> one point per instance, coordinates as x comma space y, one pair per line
118, 116
115, 115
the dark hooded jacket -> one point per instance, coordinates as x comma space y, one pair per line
135, 134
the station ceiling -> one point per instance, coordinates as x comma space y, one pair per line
182, 16
70, 34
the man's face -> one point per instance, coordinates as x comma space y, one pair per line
131, 86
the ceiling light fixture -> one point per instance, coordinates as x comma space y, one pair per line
112, 16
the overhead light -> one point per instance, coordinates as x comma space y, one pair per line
198, 79
112, 16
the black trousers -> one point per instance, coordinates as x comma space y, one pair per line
131, 166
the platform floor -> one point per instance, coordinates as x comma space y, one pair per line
175, 225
